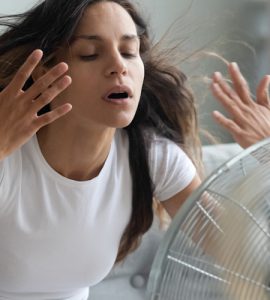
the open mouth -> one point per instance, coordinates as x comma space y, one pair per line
119, 94
123, 95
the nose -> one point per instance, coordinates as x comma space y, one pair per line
116, 65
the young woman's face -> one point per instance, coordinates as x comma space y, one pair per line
106, 68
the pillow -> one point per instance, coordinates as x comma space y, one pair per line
215, 155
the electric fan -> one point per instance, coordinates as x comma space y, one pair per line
218, 244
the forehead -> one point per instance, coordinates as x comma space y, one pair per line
106, 17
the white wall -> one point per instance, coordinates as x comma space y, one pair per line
15, 6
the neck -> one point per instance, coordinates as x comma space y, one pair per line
74, 152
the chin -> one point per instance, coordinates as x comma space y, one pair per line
121, 122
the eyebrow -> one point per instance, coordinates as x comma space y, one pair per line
125, 37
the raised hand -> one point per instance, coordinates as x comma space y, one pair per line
18, 109
249, 120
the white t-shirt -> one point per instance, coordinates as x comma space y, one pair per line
59, 236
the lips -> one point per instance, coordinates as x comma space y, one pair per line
118, 93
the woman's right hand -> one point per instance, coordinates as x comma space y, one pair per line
18, 109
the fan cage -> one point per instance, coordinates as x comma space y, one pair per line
217, 246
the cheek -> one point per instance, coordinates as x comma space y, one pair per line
139, 76
83, 79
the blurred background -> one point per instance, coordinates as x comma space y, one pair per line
236, 30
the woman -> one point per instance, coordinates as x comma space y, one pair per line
89, 132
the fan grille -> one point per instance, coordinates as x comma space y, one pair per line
217, 246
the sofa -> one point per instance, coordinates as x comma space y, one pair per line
128, 280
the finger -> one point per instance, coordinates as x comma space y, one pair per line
263, 91
25, 71
46, 81
52, 116
240, 84
229, 104
46, 97
227, 123
226, 88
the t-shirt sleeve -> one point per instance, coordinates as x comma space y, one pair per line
171, 169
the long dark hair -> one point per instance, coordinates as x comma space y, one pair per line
166, 106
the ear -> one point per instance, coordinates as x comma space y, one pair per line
39, 71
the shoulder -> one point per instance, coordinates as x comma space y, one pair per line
164, 151
170, 167
17, 161
10, 175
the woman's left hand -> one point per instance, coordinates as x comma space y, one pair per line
249, 120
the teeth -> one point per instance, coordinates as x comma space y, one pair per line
118, 95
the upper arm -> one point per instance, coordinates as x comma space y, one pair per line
175, 202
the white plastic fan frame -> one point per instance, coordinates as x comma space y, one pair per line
155, 278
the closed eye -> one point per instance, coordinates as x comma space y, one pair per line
129, 55
95, 56
89, 57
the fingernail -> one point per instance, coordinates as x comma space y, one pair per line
63, 66
235, 66
37, 53
216, 113
217, 75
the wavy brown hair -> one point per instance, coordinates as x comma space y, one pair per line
166, 107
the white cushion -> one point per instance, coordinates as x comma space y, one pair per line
215, 155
